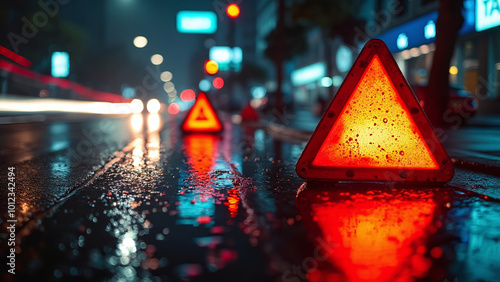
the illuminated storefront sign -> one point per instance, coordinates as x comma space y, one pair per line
60, 64
487, 14
226, 57
309, 74
422, 30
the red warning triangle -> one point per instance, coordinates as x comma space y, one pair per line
375, 129
202, 117
249, 113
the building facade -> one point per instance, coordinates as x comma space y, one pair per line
408, 27
475, 65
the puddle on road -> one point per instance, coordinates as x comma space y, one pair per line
370, 232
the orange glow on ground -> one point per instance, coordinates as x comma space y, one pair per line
375, 129
233, 201
201, 153
202, 117
375, 238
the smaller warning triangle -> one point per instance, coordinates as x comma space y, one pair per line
375, 129
249, 114
202, 117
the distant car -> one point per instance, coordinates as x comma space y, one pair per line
462, 103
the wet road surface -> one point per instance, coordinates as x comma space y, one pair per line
230, 207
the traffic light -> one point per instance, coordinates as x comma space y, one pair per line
233, 10
211, 67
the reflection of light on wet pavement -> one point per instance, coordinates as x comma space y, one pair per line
201, 152
197, 205
478, 250
154, 147
136, 122
127, 246
59, 136
190, 210
153, 139
138, 152
154, 122
373, 236
233, 201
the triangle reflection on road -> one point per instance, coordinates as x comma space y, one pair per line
369, 234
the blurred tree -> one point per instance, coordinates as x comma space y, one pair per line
295, 43
334, 18
110, 69
449, 22
249, 74
29, 30
283, 44
32, 33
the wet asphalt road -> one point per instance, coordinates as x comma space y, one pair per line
170, 207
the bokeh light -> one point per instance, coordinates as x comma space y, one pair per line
218, 82
153, 106
156, 59
453, 70
326, 81
172, 94
188, 95
137, 106
173, 109
166, 76
337, 80
140, 42
204, 85
168, 87
211, 67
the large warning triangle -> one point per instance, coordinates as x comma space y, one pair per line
375, 129
202, 117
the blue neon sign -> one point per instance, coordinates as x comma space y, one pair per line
308, 74
60, 64
402, 41
196, 22
430, 30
